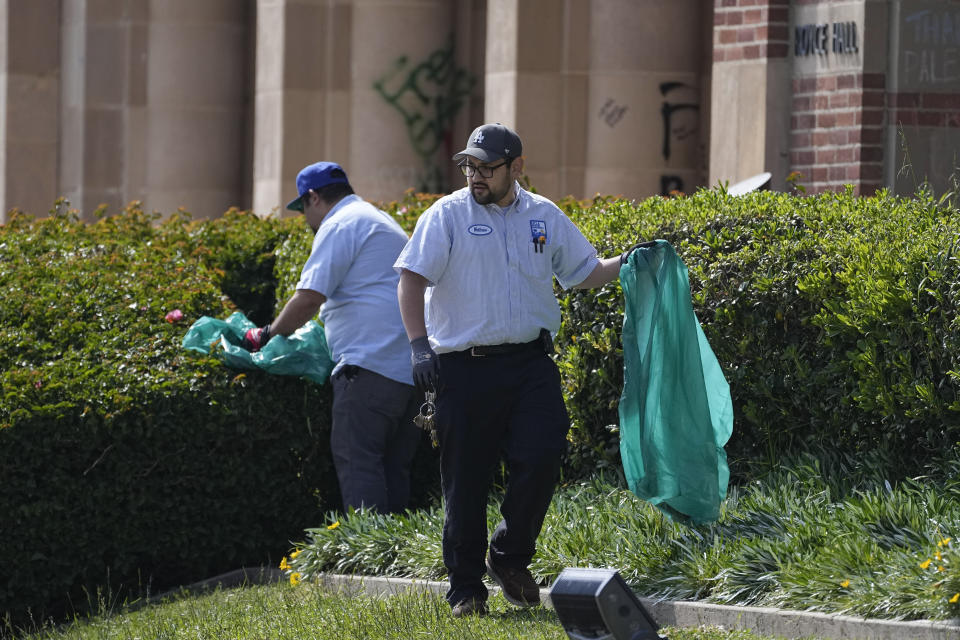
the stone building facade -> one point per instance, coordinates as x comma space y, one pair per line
208, 104
858, 92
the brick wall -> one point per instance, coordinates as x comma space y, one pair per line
924, 109
837, 126
750, 29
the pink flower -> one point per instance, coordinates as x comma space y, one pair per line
174, 316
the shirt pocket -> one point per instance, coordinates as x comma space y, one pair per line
536, 261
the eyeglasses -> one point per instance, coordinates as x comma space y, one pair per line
485, 171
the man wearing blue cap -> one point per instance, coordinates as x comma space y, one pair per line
476, 296
349, 278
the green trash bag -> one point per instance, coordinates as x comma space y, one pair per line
304, 353
676, 413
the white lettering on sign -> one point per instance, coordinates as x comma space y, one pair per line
930, 49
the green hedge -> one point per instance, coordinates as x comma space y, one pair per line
835, 319
126, 461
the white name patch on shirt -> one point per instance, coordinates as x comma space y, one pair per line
479, 230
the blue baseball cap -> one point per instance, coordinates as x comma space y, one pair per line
316, 176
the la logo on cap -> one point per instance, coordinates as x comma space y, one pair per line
478, 139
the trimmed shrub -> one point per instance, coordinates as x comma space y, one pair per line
835, 319
125, 461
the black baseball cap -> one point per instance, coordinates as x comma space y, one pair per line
490, 142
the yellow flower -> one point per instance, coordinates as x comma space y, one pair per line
955, 598
845, 584
939, 556
334, 525
295, 554
940, 569
944, 542
294, 579
925, 564
283, 564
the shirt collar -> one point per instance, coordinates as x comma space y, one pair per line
343, 202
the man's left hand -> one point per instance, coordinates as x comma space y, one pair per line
640, 245
256, 339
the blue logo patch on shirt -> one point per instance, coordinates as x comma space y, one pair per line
538, 229
479, 230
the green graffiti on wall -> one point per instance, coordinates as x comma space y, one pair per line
428, 96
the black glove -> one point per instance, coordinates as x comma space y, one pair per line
426, 365
640, 245
256, 339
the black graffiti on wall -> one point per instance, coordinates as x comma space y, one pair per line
667, 109
611, 112
680, 131
428, 95
670, 185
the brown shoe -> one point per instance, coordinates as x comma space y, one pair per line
470, 607
518, 585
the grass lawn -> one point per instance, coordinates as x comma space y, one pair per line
283, 611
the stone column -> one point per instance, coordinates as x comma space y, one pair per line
382, 87
409, 91
750, 97
194, 116
603, 100
29, 98
295, 80
646, 98
154, 104
103, 62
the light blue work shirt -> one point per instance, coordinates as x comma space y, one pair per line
490, 278
351, 264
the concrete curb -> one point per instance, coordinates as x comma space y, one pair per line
679, 613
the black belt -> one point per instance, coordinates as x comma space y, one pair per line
543, 344
348, 371
481, 351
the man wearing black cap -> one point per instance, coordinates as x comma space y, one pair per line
349, 278
476, 297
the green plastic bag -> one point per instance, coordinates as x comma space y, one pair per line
304, 353
676, 413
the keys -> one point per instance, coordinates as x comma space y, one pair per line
424, 419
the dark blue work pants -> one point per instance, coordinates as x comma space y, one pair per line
374, 439
508, 405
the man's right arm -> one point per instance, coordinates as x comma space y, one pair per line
426, 365
410, 296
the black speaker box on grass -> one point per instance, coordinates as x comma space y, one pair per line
596, 604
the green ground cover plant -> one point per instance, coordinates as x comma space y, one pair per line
826, 533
